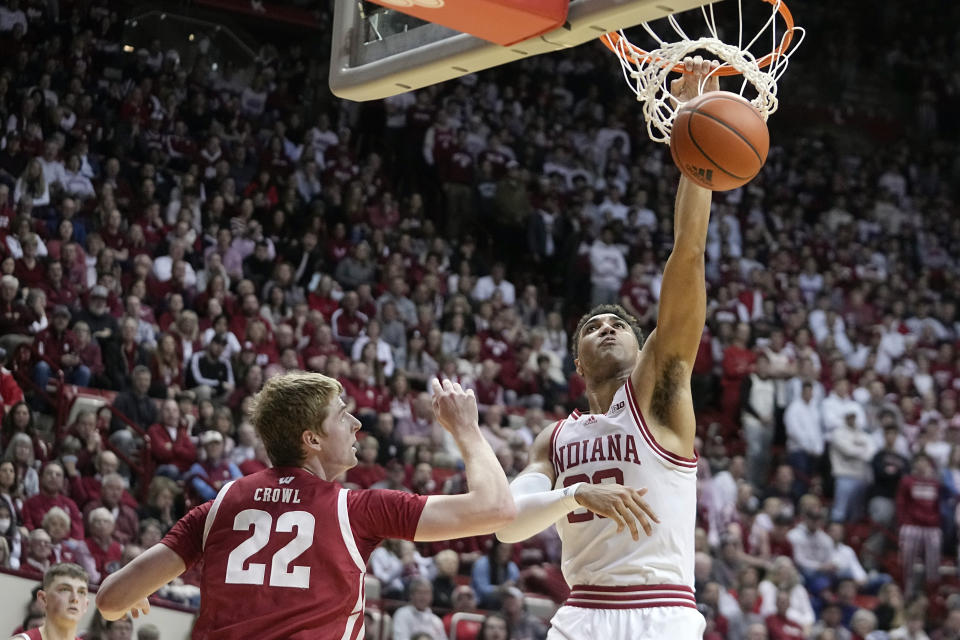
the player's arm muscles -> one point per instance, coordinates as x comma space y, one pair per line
126, 590
485, 507
682, 311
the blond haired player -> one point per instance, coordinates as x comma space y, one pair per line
639, 432
65, 600
289, 544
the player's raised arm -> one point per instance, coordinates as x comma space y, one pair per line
487, 505
127, 590
683, 298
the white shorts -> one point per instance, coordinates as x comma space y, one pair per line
654, 623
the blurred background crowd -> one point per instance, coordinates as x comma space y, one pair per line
177, 226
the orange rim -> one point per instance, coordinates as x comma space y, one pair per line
636, 54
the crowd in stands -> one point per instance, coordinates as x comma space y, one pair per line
172, 237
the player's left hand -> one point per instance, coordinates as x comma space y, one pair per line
623, 505
687, 86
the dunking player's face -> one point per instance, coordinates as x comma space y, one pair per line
66, 600
607, 348
337, 450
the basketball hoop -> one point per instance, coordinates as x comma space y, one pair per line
646, 72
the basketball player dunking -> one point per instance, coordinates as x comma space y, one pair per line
639, 433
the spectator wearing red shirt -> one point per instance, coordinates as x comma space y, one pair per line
464, 600
126, 523
206, 478
368, 398
738, 361
367, 472
51, 495
29, 270
489, 391
321, 347
89, 351
57, 289
10, 391
779, 626
103, 548
348, 322
170, 442
58, 345
918, 500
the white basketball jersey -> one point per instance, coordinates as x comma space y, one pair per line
617, 447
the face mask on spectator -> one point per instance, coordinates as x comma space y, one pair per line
4, 525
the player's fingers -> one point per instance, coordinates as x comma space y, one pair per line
446, 385
436, 387
643, 504
457, 387
623, 510
641, 516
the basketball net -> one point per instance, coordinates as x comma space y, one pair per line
647, 72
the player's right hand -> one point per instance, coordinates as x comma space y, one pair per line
453, 407
623, 505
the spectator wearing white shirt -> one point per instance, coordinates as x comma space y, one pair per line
608, 269
784, 576
804, 434
163, 266
10, 15
851, 451
53, 170
417, 617
486, 285
75, 183
384, 352
836, 405
32, 185
812, 547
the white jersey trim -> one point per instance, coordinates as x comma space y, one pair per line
212, 514
346, 531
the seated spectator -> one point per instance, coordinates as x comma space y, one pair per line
170, 442
126, 523
831, 619
812, 547
465, 600
10, 391
416, 617
101, 544
58, 345
19, 419
124, 355
134, 403
163, 496
57, 524
348, 322
20, 454
96, 316
39, 556
798, 613
86, 488
51, 495
10, 536
15, 317
90, 353
207, 477
367, 472
208, 375
494, 627
521, 624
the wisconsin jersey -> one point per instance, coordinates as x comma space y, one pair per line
617, 447
284, 554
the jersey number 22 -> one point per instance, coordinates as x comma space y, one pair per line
281, 574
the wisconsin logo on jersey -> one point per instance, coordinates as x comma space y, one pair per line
285, 480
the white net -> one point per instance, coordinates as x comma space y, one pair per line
647, 72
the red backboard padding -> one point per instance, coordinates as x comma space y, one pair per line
504, 22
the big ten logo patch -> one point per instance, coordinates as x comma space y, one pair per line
617, 409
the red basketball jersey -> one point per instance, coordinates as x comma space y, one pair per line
285, 553
32, 634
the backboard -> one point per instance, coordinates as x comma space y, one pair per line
379, 52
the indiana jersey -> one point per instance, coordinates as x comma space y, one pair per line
285, 553
617, 447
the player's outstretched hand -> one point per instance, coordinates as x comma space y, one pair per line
623, 505
687, 86
453, 407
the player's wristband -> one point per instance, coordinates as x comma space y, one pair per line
538, 506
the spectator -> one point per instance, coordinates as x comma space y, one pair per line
39, 555
494, 627
209, 375
758, 394
126, 523
521, 624
89, 352
608, 269
851, 453
812, 547
161, 504
779, 624
170, 443
804, 435
416, 617
134, 403
918, 512
463, 600
206, 478
495, 281
492, 573
101, 544
97, 318
51, 495
20, 453
797, 612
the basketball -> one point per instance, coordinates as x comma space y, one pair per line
719, 140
